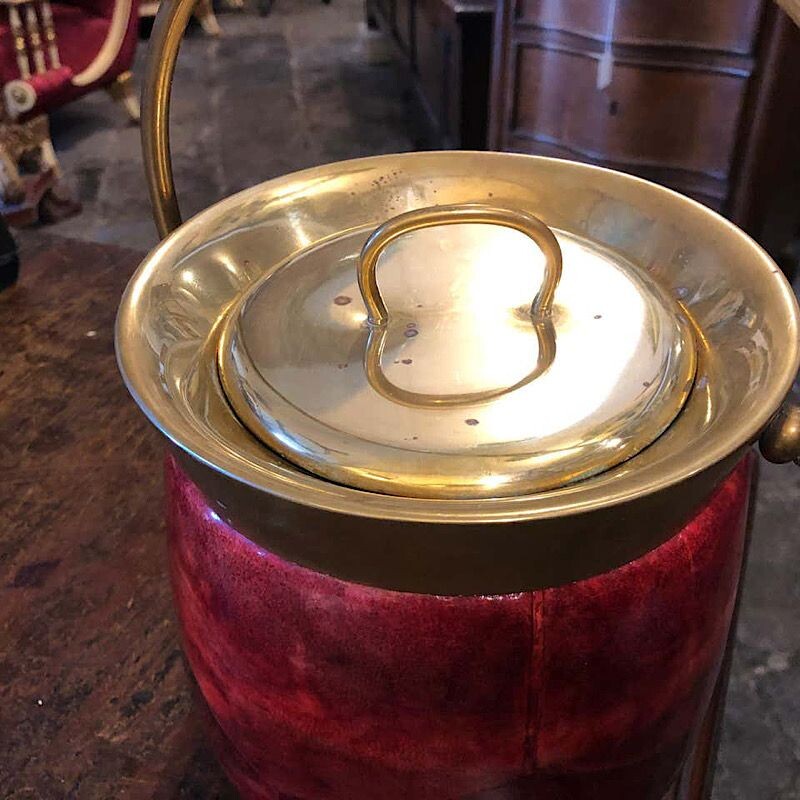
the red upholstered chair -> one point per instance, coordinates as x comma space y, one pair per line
54, 52
50, 54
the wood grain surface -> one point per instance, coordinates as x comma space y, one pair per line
94, 699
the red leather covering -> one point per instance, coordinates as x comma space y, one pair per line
325, 690
81, 28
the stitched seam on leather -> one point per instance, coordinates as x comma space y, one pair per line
534, 680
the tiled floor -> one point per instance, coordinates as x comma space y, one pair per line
295, 89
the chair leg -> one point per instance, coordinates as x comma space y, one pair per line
204, 12
18, 140
10, 182
49, 157
123, 93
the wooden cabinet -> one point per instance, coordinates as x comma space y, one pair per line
703, 96
677, 126
447, 45
725, 25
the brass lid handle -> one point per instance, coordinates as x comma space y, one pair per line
165, 40
780, 441
429, 217
378, 316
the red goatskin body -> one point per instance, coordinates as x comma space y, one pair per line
326, 690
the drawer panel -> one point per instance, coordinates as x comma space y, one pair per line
709, 24
666, 117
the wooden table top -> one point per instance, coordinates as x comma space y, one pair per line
94, 700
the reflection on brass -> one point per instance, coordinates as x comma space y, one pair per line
780, 442
748, 358
546, 338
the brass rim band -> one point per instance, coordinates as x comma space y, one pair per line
165, 39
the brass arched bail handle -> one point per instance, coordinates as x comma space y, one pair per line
780, 440
165, 40
378, 317
420, 218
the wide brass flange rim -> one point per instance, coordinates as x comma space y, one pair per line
597, 511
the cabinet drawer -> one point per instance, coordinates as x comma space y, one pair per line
708, 24
683, 119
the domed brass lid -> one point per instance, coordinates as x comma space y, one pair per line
461, 352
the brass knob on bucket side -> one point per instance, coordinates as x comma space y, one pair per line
780, 441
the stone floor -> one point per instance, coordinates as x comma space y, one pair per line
294, 89
274, 95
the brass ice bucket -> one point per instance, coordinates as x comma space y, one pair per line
454, 513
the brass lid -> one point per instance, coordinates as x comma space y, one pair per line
498, 357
